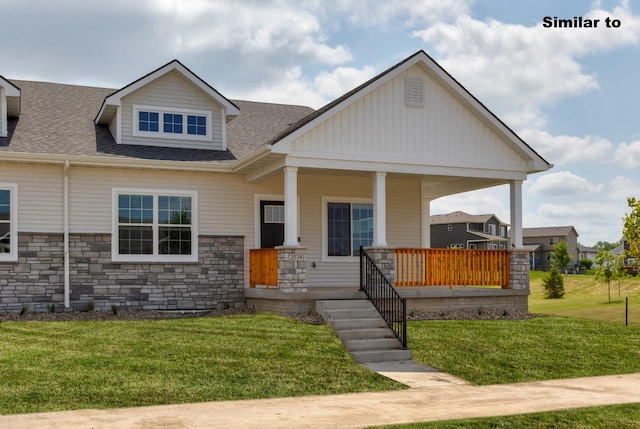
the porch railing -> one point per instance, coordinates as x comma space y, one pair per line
263, 267
452, 267
391, 306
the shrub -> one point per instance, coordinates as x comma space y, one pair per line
586, 263
553, 284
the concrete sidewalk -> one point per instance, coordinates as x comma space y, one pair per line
439, 398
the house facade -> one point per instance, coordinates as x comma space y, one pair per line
153, 195
541, 242
460, 230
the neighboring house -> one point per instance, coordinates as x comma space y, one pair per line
460, 230
541, 242
585, 252
620, 252
151, 196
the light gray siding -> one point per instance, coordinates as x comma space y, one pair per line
172, 91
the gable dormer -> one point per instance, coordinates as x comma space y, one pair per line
9, 104
170, 107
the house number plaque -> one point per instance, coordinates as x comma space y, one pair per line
296, 257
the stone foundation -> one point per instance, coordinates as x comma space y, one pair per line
36, 281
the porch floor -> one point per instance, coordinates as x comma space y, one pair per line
421, 298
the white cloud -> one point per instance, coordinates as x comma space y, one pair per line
560, 150
628, 154
563, 184
517, 69
487, 201
341, 80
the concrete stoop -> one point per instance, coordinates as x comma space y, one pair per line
362, 330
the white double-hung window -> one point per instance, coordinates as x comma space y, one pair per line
154, 226
8, 222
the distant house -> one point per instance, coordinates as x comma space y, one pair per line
585, 252
541, 242
460, 230
620, 251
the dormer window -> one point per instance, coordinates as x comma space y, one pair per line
169, 123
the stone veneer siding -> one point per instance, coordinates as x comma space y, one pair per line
519, 269
36, 281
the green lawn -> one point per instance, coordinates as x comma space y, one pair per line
589, 299
613, 416
47, 366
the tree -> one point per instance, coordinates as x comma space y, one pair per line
631, 229
605, 245
586, 263
561, 257
608, 267
553, 284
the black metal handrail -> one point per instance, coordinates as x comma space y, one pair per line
391, 306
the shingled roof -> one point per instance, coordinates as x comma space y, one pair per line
548, 231
58, 119
461, 217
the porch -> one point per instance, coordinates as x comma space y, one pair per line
433, 280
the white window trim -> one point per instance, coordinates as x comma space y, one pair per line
160, 134
325, 229
155, 258
256, 216
12, 256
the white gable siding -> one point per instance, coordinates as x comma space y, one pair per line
380, 125
172, 91
40, 193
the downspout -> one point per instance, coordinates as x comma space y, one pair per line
66, 234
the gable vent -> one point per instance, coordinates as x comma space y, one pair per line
414, 92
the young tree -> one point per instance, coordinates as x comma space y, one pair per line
561, 257
608, 268
631, 229
553, 284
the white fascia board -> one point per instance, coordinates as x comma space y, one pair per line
96, 161
115, 98
403, 168
10, 90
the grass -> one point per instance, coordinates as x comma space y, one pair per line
613, 416
542, 348
588, 299
50, 366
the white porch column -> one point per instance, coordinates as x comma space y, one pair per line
379, 209
290, 206
425, 217
515, 194
426, 223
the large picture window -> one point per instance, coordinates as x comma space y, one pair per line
8, 223
349, 225
171, 123
155, 226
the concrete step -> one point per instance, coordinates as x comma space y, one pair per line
350, 313
367, 356
372, 344
365, 334
350, 324
335, 304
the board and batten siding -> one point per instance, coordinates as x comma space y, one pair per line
40, 196
380, 125
172, 91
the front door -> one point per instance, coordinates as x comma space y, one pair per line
271, 224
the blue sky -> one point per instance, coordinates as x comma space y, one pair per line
570, 93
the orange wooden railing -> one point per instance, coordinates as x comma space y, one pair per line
452, 267
263, 266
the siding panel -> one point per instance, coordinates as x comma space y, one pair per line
171, 90
443, 132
